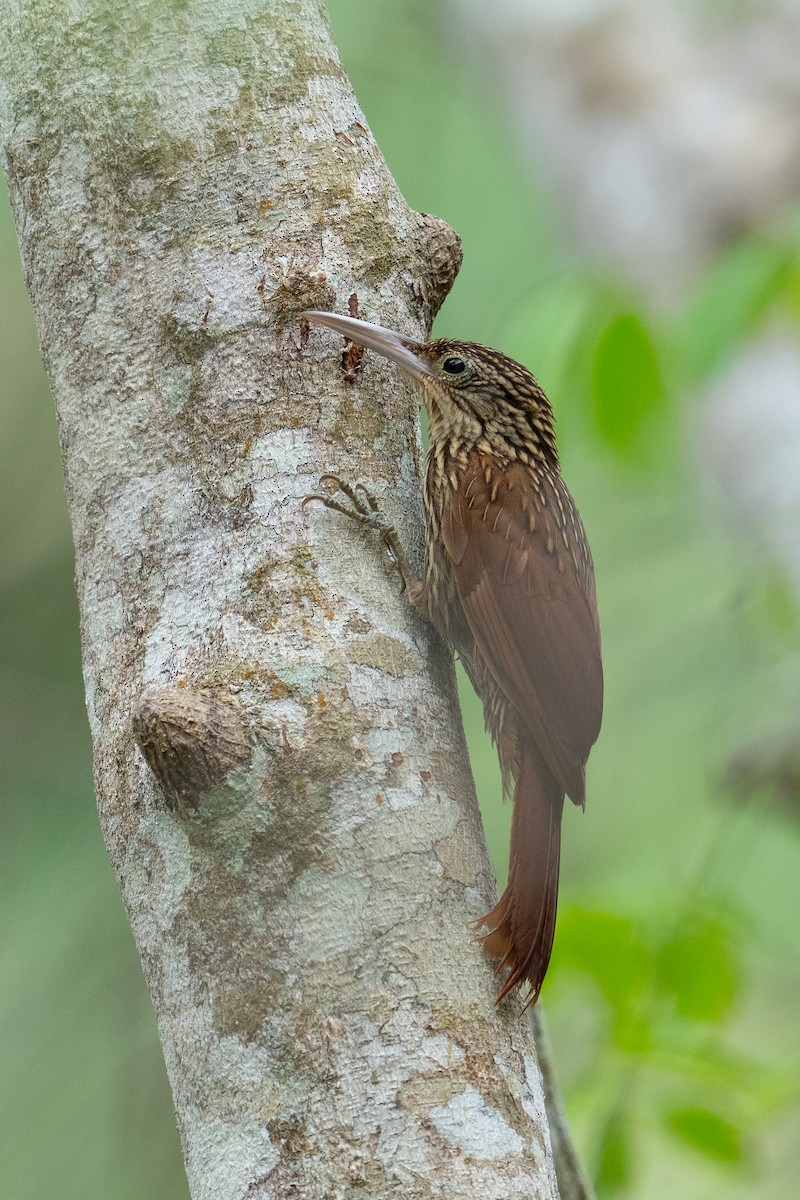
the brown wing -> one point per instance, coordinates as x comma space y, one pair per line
524, 575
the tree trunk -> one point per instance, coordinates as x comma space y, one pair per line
280, 768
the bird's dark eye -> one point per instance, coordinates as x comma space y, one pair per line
454, 366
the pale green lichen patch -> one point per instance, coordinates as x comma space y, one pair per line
217, 807
300, 678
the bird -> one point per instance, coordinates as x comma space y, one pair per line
509, 583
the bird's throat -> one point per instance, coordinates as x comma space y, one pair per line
448, 422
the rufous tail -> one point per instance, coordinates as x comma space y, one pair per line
523, 921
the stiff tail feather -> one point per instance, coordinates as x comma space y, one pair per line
522, 923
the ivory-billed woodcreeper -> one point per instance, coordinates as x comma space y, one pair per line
509, 582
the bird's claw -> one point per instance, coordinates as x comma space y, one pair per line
363, 508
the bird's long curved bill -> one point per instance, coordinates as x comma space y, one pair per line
400, 349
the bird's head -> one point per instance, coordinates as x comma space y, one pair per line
472, 394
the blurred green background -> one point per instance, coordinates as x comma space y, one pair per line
673, 994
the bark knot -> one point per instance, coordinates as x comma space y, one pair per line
440, 253
191, 738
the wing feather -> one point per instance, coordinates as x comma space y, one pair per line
524, 576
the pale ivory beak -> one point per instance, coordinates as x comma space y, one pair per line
401, 350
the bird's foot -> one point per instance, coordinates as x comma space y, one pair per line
361, 506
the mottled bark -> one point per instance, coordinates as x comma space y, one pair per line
280, 768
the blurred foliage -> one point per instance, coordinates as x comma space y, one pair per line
734, 296
667, 994
627, 385
672, 993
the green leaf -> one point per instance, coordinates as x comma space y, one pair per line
707, 1131
627, 384
614, 1167
699, 968
607, 947
733, 297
